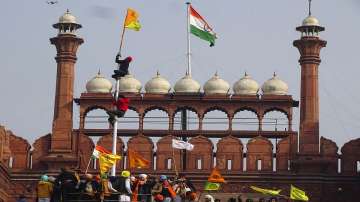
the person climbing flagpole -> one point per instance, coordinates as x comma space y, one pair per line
131, 22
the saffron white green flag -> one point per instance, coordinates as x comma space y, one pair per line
178, 144
200, 28
99, 150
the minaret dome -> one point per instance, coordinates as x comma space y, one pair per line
67, 24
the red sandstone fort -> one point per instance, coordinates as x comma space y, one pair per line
266, 158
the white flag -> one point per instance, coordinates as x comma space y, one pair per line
178, 144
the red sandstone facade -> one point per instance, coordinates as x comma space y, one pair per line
314, 170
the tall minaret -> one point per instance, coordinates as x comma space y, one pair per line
67, 43
309, 46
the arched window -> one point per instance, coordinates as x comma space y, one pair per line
245, 120
358, 166
191, 120
11, 162
156, 119
129, 121
199, 163
215, 120
274, 164
275, 121
229, 164
96, 119
168, 164
258, 164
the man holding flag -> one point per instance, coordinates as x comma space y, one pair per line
131, 22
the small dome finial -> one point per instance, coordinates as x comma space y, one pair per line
246, 74
216, 73
310, 7
274, 75
157, 73
99, 72
67, 10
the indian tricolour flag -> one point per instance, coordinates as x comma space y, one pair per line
200, 28
99, 150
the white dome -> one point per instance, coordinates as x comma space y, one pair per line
98, 84
158, 85
275, 86
187, 85
246, 86
128, 84
311, 21
216, 85
67, 18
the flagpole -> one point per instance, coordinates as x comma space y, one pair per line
87, 167
113, 169
188, 71
122, 35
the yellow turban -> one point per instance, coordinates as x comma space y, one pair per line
125, 173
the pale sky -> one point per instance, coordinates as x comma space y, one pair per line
254, 36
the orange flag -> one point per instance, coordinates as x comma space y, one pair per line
137, 161
131, 20
215, 176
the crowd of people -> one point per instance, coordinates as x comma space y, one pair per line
69, 186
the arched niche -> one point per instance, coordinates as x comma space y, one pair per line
165, 152
95, 117
201, 157
156, 118
350, 156
190, 115
229, 154
20, 152
107, 142
329, 151
41, 148
283, 154
245, 119
215, 119
85, 149
275, 120
259, 152
144, 147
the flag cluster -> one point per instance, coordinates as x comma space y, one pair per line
295, 193
197, 24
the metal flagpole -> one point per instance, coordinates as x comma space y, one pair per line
113, 169
188, 71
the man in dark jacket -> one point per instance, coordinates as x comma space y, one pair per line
67, 182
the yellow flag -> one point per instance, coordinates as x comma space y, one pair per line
266, 191
137, 161
106, 161
215, 176
298, 194
131, 20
